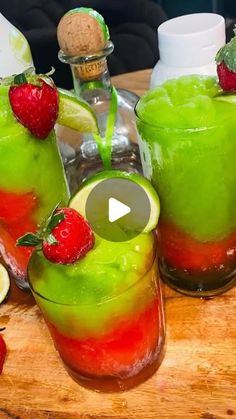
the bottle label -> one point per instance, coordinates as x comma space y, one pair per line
91, 70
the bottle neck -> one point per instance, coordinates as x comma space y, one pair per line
91, 79
90, 73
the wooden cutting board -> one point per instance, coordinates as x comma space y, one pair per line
197, 378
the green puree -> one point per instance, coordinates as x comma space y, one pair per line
28, 164
92, 284
188, 146
106, 271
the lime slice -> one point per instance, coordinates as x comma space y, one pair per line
75, 113
4, 283
79, 199
226, 98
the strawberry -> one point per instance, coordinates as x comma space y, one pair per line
66, 238
74, 238
226, 65
3, 352
227, 78
34, 105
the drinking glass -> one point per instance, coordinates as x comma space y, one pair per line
193, 171
109, 343
32, 183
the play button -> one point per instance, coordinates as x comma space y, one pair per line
117, 209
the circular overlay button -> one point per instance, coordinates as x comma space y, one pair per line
118, 209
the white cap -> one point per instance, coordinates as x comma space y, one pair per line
191, 40
15, 54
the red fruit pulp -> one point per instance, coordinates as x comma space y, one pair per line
132, 345
16, 219
15, 206
183, 252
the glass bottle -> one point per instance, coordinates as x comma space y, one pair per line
92, 82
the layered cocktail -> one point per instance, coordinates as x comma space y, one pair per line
32, 183
104, 312
187, 133
103, 307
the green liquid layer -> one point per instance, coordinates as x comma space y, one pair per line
98, 288
28, 163
188, 148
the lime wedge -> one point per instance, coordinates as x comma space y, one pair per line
4, 283
226, 98
75, 113
79, 199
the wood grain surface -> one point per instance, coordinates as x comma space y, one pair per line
197, 378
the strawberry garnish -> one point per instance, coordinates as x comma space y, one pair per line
3, 352
35, 105
226, 65
227, 78
73, 238
66, 238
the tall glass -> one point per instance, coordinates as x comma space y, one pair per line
194, 172
32, 183
108, 326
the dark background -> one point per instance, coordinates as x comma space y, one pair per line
132, 25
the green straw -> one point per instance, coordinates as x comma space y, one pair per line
105, 144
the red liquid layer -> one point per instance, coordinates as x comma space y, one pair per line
133, 345
191, 266
184, 252
16, 219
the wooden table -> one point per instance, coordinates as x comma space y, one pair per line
197, 378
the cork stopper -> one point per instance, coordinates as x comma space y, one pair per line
82, 32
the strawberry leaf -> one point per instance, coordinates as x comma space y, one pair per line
51, 239
29, 239
227, 54
44, 226
55, 220
20, 79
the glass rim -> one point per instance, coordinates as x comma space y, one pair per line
176, 129
104, 300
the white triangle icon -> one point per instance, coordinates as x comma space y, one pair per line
117, 210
